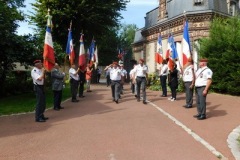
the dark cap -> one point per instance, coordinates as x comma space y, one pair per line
203, 60
141, 59
37, 61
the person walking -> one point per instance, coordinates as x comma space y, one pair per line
99, 72
132, 79
163, 72
88, 77
202, 84
74, 80
37, 75
188, 80
173, 82
124, 72
57, 87
82, 79
141, 72
107, 74
116, 77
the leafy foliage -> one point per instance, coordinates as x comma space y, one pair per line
222, 49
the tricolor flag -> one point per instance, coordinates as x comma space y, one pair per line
159, 54
82, 56
48, 53
70, 49
91, 53
96, 57
186, 44
171, 52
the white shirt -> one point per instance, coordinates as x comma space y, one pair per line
141, 70
72, 74
37, 73
188, 74
163, 70
115, 74
131, 74
202, 75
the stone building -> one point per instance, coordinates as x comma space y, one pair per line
170, 16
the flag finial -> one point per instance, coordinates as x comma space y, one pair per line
49, 19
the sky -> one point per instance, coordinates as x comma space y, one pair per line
134, 14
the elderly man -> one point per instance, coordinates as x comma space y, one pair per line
37, 74
141, 72
202, 84
57, 86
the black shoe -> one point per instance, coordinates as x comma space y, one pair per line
189, 106
116, 101
40, 120
138, 100
163, 95
135, 95
56, 109
45, 118
202, 117
197, 115
185, 106
81, 96
75, 100
119, 96
144, 102
61, 107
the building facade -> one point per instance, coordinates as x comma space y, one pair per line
169, 17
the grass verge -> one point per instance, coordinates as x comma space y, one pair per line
26, 102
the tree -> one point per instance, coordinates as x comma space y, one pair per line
14, 48
222, 48
92, 17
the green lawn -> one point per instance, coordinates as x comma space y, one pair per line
26, 102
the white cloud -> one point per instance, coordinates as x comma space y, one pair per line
144, 3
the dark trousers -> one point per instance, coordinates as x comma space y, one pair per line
173, 91
201, 101
57, 98
141, 82
108, 80
74, 88
133, 87
41, 101
189, 93
81, 88
163, 80
115, 86
98, 78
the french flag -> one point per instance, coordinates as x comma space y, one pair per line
91, 53
159, 54
96, 57
70, 49
48, 53
82, 56
172, 54
186, 44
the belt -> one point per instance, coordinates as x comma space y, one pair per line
200, 86
116, 80
188, 82
140, 77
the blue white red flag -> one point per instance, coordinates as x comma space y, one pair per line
69, 48
91, 53
186, 44
82, 56
48, 53
171, 52
159, 54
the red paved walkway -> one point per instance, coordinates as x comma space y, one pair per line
98, 129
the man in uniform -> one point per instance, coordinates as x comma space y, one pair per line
141, 72
116, 77
57, 86
82, 79
189, 80
202, 84
163, 72
74, 79
37, 74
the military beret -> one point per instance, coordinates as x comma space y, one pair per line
141, 59
37, 61
203, 60
115, 63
